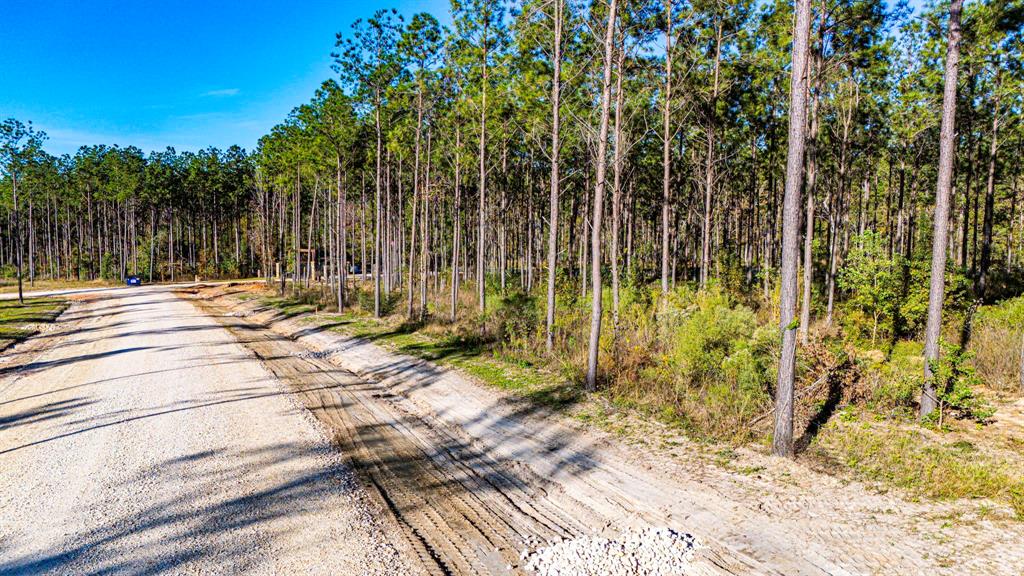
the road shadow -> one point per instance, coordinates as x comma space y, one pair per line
467, 503
198, 520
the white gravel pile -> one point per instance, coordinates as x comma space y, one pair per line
313, 354
647, 552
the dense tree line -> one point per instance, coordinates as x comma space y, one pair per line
108, 211
560, 147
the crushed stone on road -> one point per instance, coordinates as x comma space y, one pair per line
648, 552
141, 437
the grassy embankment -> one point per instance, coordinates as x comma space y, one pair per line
704, 367
18, 322
8, 285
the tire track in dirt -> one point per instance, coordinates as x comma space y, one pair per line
462, 511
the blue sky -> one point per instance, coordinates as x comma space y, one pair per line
182, 73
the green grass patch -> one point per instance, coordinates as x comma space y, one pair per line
18, 321
915, 461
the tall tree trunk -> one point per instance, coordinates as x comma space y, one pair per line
947, 153
311, 255
812, 180
170, 240
481, 252
782, 441
595, 239
990, 194
31, 245
297, 228
456, 225
424, 235
502, 207
17, 236
362, 227
1017, 226
377, 214
415, 198
709, 163
342, 243
617, 182
556, 95
666, 150
972, 152
152, 240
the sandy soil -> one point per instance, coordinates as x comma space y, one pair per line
138, 437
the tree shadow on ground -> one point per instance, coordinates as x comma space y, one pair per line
821, 416
199, 520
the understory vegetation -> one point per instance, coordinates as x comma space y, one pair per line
703, 363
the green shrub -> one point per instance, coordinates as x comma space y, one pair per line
362, 295
515, 317
956, 381
707, 332
886, 297
716, 367
109, 267
896, 383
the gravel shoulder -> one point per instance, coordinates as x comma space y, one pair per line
138, 437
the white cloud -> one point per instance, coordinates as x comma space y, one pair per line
221, 92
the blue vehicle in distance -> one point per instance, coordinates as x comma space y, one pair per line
133, 281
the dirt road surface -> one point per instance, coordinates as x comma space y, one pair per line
168, 431
138, 437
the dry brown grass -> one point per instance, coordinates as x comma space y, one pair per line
997, 351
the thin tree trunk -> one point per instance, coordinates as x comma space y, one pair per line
362, 227
415, 198
947, 152
782, 441
377, 214
556, 94
602, 165
481, 251
31, 245
990, 194
812, 180
342, 249
709, 164
617, 183
666, 150
17, 235
152, 241
1012, 240
170, 240
503, 207
425, 236
456, 225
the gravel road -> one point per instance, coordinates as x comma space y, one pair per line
138, 437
